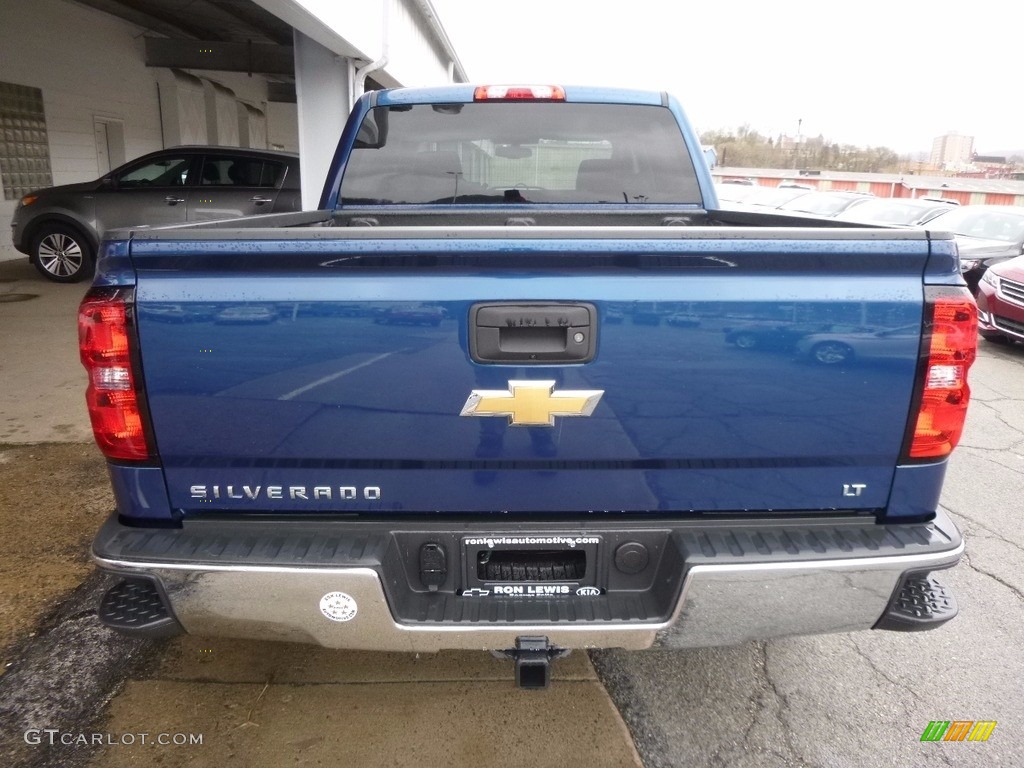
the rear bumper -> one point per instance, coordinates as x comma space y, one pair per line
18, 239
730, 582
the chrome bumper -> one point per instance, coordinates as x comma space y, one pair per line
718, 604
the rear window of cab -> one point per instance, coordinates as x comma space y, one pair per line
516, 152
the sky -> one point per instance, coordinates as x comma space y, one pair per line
896, 73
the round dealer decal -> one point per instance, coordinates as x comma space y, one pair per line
337, 606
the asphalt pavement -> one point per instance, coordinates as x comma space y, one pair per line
860, 699
865, 699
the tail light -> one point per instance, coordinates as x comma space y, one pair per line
115, 402
949, 346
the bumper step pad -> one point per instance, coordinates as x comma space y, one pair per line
921, 602
136, 606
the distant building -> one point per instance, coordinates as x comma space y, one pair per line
787, 143
989, 167
952, 151
963, 189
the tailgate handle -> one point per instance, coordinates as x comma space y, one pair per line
538, 333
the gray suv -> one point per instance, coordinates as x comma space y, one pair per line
60, 227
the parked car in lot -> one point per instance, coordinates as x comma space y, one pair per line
985, 235
778, 336
412, 314
683, 320
60, 227
734, 191
834, 348
245, 314
825, 203
614, 316
770, 197
1001, 302
167, 313
895, 211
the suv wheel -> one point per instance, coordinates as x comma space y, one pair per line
62, 254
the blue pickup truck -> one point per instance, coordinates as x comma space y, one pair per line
451, 408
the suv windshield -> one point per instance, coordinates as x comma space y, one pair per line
519, 153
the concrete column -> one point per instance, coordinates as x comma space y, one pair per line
323, 88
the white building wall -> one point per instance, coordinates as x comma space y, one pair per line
96, 70
91, 68
357, 27
413, 57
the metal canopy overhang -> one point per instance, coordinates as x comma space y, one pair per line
244, 36
214, 20
250, 57
221, 35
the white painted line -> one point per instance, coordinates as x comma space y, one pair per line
333, 377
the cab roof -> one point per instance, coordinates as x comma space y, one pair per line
463, 94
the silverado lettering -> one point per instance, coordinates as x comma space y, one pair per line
293, 492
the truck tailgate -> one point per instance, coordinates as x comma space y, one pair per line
727, 374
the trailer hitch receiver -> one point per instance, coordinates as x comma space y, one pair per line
533, 657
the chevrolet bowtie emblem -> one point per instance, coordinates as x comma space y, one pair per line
531, 403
